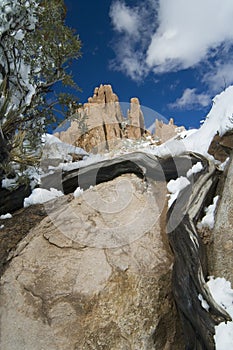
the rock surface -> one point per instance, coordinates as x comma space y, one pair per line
88, 277
221, 146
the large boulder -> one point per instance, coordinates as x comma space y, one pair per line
94, 274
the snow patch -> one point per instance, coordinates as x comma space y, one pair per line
208, 220
9, 183
196, 168
56, 149
223, 165
204, 303
41, 195
175, 186
221, 291
78, 192
5, 216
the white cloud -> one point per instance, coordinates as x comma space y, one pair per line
187, 31
135, 28
219, 77
178, 35
129, 61
124, 19
190, 99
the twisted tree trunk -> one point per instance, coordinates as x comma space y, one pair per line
190, 265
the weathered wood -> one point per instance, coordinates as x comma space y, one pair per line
190, 265
141, 164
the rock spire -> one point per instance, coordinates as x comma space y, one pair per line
99, 125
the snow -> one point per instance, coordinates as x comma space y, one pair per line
1, 227
175, 186
204, 303
53, 149
34, 174
9, 183
196, 168
41, 195
185, 133
56, 149
78, 192
223, 295
219, 120
92, 159
16, 20
5, 216
208, 220
223, 165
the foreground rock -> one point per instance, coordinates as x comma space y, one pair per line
88, 277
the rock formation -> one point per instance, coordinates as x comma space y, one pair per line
104, 270
136, 126
85, 279
100, 125
97, 125
165, 131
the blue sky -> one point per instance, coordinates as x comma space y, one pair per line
175, 56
